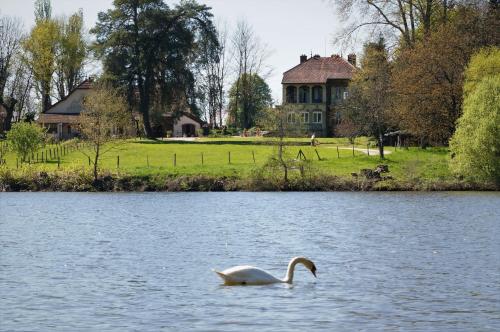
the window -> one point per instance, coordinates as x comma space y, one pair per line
304, 94
317, 117
291, 94
346, 94
304, 117
290, 117
317, 94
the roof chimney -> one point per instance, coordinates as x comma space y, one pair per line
303, 58
351, 58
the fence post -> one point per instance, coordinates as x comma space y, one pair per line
319, 158
253, 155
229, 156
89, 161
17, 163
353, 150
338, 154
368, 149
175, 159
117, 161
202, 162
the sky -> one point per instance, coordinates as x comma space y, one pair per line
289, 28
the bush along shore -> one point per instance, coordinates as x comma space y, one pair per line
28, 179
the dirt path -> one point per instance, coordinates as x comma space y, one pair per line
373, 152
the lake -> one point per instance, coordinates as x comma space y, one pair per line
142, 261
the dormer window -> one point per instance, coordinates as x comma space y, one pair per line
304, 94
317, 94
291, 94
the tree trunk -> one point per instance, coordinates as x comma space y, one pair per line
381, 145
46, 103
9, 107
96, 160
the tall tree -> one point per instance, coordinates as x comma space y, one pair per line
248, 96
10, 39
149, 49
367, 106
428, 79
71, 53
475, 146
214, 76
249, 55
40, 51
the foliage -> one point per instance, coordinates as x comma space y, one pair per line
427, 79
71, 53
39, 54
54, 54
105, 119
149, 50
25, 139
484, 63
475, 146
248, 96
366, 109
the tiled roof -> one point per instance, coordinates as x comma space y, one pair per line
319, 70
85, 85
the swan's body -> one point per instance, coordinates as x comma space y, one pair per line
249, 275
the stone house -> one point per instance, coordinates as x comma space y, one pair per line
313, 89
62, 118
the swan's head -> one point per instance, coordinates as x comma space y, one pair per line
308, 264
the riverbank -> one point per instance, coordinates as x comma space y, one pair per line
84, 182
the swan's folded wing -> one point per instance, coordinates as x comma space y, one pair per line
246, 275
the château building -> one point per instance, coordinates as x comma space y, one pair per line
313, 88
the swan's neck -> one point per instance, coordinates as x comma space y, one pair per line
291, 267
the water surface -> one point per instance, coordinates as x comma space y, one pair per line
142, 262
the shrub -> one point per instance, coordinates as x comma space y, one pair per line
25, 139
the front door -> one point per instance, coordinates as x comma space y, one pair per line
188, 130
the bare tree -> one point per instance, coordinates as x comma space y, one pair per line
213, 78
11, 31
401, 16
103, 122
280, 122
249, 56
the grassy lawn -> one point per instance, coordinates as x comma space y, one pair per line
147, 157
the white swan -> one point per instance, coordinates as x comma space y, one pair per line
249, 275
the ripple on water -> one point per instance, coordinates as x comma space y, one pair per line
142, 261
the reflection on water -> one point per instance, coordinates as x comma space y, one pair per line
115, 262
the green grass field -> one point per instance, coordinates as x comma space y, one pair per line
147, 157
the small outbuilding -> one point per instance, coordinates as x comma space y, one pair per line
61, 119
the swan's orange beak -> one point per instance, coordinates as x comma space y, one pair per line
313, 270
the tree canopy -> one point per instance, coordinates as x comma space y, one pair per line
475, 146
149, 50
248, 96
